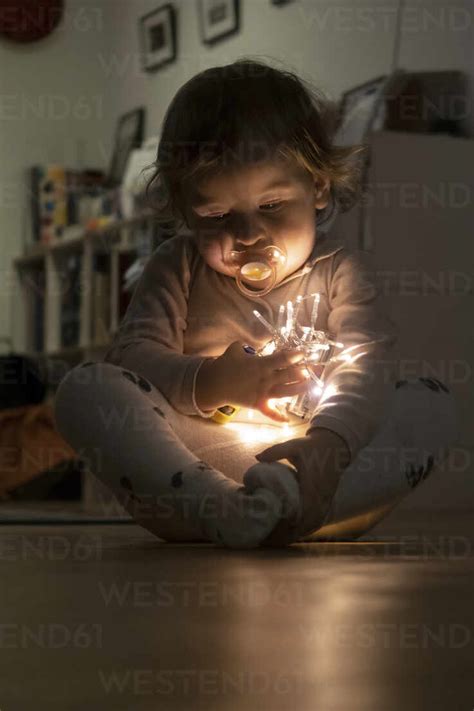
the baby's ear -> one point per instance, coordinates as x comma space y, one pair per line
322, 187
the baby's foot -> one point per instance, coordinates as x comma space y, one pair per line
281, 480
228, 513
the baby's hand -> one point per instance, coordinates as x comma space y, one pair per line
240, 378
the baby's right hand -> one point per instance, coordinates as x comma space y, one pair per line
250, 381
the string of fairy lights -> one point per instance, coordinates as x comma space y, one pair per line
317, 347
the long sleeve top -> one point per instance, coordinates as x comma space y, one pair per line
183, 312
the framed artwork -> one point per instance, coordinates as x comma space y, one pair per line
158, 38
128, 136
218, 19
359, 108
281, 2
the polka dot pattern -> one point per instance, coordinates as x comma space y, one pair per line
177, 480
126, 484
142, 383
434, 384
129, 376
416, 474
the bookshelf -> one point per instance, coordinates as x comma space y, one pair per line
69, 301
68, 294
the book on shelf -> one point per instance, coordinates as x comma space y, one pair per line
61, 198
126, 260
48, 202
38, 285
100, 301
70, 306
101, 292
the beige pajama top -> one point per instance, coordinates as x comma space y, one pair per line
182, 312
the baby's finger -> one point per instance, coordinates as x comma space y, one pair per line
317, 368
292, 374
266, 409
288, 390
284, 358
282, 450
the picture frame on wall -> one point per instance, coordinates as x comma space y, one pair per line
360, 111
218, 19
128, 136
281, 2
158, 37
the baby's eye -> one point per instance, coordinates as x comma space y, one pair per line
267, 207
272, 205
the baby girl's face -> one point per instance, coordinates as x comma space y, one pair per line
272, 202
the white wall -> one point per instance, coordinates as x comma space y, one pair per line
332, 43
308, 36
88, 72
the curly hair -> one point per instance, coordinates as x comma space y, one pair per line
242, 113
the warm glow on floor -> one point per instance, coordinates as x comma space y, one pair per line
250, 433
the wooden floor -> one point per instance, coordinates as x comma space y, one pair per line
108, 618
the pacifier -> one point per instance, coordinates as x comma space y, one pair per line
257, 265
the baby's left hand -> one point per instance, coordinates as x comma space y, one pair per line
319, 459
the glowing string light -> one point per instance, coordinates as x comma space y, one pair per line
318, 349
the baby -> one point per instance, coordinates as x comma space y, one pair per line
246, 161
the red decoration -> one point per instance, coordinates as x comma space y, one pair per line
29, 20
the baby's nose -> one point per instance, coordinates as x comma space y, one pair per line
250, 241
248, 233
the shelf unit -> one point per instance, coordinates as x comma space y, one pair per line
39, 279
